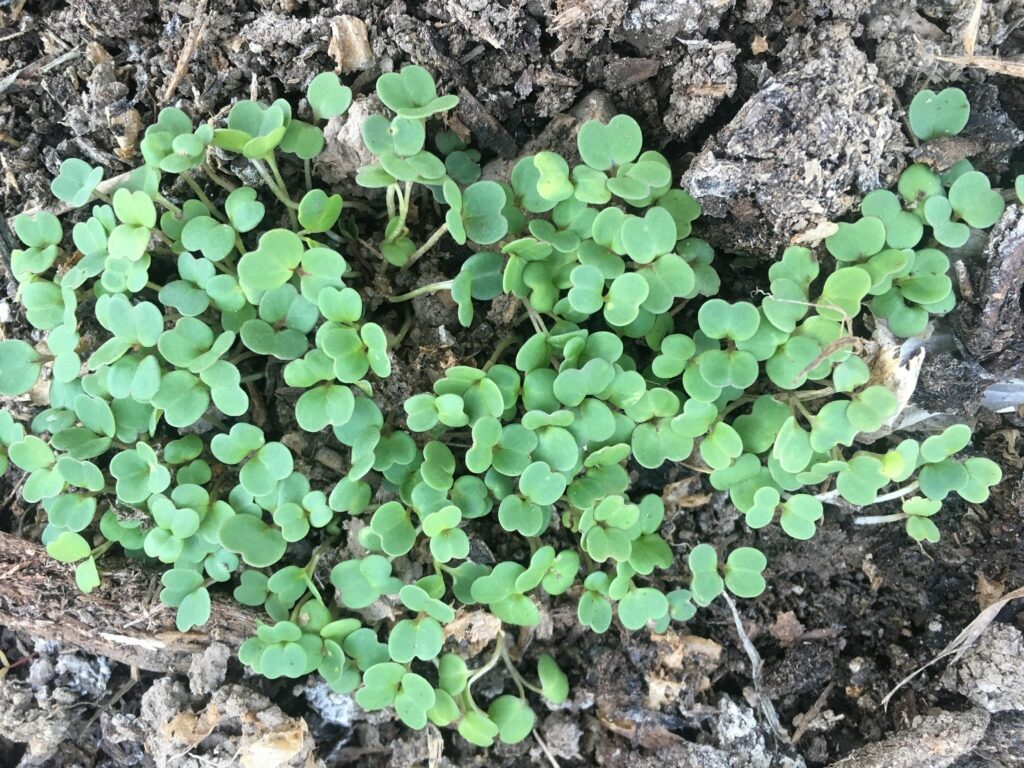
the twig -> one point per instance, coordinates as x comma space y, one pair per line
188, 50
756, 665
804, 721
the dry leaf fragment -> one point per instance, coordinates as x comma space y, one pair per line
276, 748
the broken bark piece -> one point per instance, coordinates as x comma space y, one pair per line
488, 132
991, 326
799, 152
350, 44
625, 73
121, 619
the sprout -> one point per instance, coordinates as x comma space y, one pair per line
230, 330
939, 114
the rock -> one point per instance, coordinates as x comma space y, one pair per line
1003, 744
580, 24
990, 673
562, 734
503, 25
801, 151
207, 670
746, 741
702, 78
43, 726
622, 74
652, 26
935, 741
989, 322
333, 707
595, 105
344, 151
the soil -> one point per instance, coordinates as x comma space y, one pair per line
778, 116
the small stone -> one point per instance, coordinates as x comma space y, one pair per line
344, 151
207, 670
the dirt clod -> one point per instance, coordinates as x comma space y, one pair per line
935, 741
799, 151
990, 674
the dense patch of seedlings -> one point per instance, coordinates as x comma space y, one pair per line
623, 357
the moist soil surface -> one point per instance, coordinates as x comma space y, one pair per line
846, 616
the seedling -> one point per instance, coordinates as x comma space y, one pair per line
163, 438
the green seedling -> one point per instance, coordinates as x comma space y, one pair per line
231, 331
933, 115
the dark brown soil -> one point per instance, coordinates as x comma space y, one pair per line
847, 614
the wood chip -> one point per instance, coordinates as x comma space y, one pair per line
350, 44
489, 133
971, 30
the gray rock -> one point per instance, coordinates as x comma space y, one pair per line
991, 673
652, 26
344, 151
207, 670
800, 152
701, 80
935, 741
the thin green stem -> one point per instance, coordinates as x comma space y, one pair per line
445, 285
216, 422
813, 394
504, 344
167, 204
499, 647
278, 192
535, 318
307, 171
516, 677
272, 164
203, 198
251, 377
431, 242
224, 267
216, 178
101, 549
831, 496
389, 198
243, 356
404, 330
